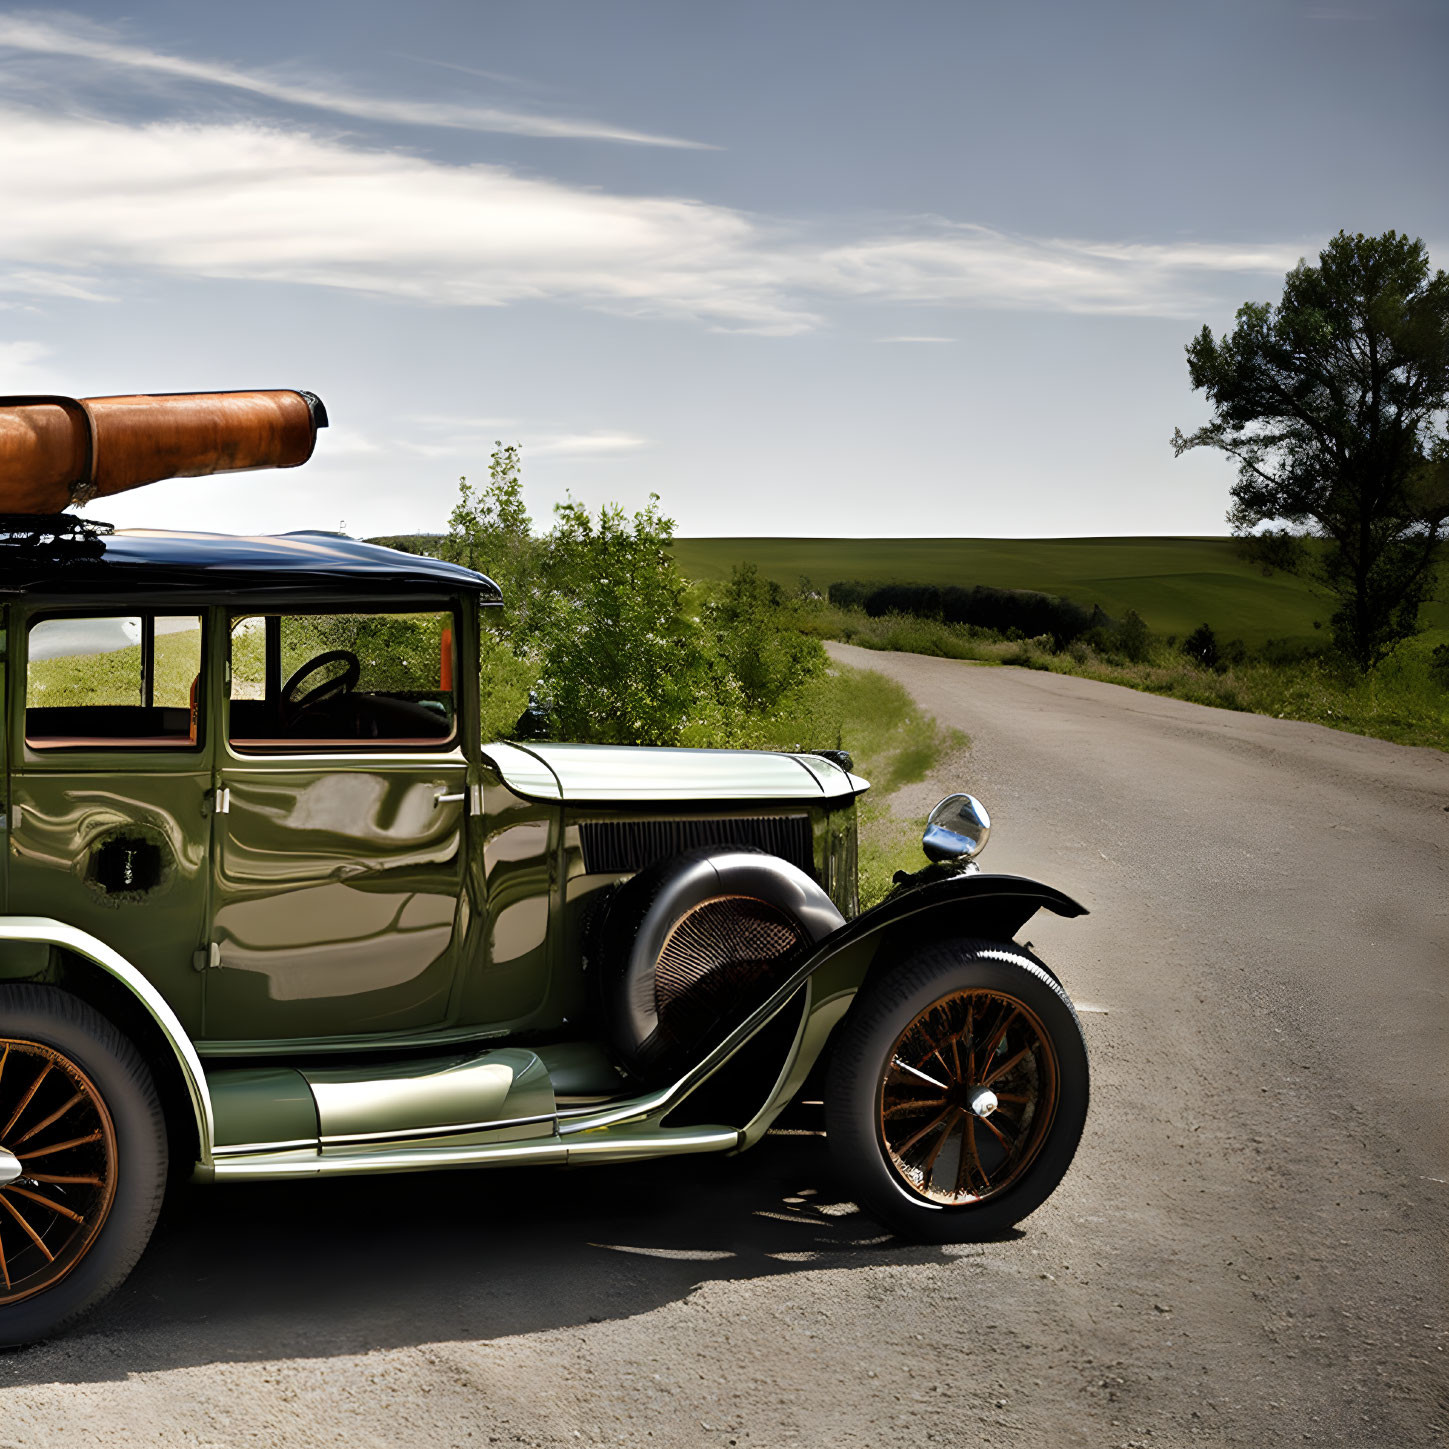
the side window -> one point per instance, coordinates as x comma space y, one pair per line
113, 681
329, 680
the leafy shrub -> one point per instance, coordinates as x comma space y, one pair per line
597, 613
923, 601
849, 595
1202, 645
1022, 613
620, 659
1134, 639
762, 656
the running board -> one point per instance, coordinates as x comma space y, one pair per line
502, 1095
490, 1108
616, 1144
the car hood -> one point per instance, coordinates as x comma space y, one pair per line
597, 773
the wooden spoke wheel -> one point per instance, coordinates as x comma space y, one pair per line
57, 1167
958, 1091
83, 1159
967, 1097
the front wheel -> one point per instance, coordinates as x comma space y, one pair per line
958, 1092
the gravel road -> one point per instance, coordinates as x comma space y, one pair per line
1249, 1249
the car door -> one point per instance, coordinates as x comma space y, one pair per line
339, 837
107, 826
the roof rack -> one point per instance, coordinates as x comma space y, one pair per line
59, 538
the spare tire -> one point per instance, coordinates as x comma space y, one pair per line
690, 946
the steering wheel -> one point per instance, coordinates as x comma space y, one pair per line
295, 704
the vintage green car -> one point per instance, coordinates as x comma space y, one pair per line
271, 908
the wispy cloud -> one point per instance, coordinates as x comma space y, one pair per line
52, 283
585, 445
76, 38
473, 437
92, 204
965, 265
88, 197
909, 338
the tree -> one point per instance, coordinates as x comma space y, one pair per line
1333, 402
598, 613
764, 656
1134, 638
489, 530
1202, 645
621, 660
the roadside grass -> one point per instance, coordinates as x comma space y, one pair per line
1400, 701
892, 742
1173, 583
113, 676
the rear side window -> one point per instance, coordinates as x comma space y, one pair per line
117, 680
333, 680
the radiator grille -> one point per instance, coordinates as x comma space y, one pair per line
620, 847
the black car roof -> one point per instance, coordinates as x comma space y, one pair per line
154, 561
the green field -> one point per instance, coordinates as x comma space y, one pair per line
1175, 584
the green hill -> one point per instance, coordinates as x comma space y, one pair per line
1175, 584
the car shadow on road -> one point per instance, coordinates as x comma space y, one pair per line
344, 1266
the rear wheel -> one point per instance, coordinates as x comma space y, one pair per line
82, 1159
958, 1093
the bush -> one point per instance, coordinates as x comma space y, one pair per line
597, 613
1234, 652
620, 659
922, 601
851, 595
1202, 645
1134, 639
1019, 613
763, 657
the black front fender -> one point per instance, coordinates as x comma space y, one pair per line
1002, 904
916, 914
968, 904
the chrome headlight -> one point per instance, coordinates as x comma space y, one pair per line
957, 829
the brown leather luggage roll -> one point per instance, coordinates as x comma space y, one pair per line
57, 452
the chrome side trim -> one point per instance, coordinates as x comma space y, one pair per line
619, 1147
235, 1149
57, 933
397, 1159
608, 1147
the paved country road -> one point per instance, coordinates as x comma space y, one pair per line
1251, 1248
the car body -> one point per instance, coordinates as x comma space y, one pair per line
270, 907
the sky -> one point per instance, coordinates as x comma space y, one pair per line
918, 269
